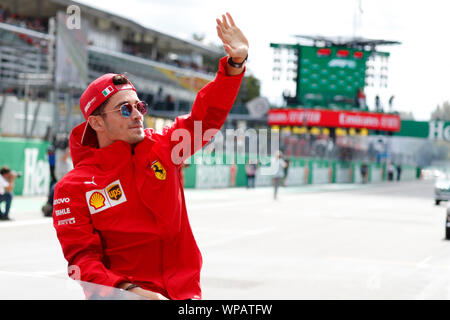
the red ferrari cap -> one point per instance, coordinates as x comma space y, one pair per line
96, 93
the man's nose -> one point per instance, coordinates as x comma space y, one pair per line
135, 114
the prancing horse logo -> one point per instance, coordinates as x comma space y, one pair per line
159, 170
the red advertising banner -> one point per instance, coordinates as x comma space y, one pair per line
337, 119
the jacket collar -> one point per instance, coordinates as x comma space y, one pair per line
110, 157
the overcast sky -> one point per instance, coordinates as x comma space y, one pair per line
419, 69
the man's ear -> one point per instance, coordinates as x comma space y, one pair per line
97, 123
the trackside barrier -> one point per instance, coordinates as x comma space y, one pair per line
28, 157
204, 172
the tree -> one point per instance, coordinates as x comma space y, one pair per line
404, 115
198, 37
441, 112
250, 89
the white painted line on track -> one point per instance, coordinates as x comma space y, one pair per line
20, 223
424, 263
23, 274
235, 236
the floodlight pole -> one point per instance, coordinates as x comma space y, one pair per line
357, 18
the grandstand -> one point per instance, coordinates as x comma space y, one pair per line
326, 81
44, 68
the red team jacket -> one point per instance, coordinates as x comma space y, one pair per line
120, 214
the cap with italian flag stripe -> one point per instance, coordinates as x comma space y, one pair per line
96, 93
107, 91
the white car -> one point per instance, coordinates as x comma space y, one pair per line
447, 224
442, 189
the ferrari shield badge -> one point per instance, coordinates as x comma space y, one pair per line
159, 170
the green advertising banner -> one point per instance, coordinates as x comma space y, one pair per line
29, 157
433, 130
204, 172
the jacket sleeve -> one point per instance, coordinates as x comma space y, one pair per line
80, 243
208, 114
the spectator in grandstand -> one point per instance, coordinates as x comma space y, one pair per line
170, 103
377, 104
6, 14
120, 214
159, 95
36, 24
361, 99
391, 103
7, 179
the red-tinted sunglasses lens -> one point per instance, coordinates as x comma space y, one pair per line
127, 109
142, 107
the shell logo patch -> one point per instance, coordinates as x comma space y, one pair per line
97, 200
159, 170
102, 199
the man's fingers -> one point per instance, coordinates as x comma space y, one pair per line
231, 20
219, 23
220, 29
224, 21
228, 49
219, 33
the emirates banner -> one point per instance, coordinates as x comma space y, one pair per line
338, 119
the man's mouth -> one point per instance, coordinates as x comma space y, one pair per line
137, 126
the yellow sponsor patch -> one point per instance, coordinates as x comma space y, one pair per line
115, 192
102, 199
159, 170
97, 200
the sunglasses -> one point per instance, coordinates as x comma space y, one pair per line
127, 109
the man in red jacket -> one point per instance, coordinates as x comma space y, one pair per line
120, 214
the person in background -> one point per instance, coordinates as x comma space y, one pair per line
250, 171
278, 164
364, 172
378, 104
391, 103
399, 171
64, 166
391, 169
361, 99
285, 171
7, 179
52, 162
418, 172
